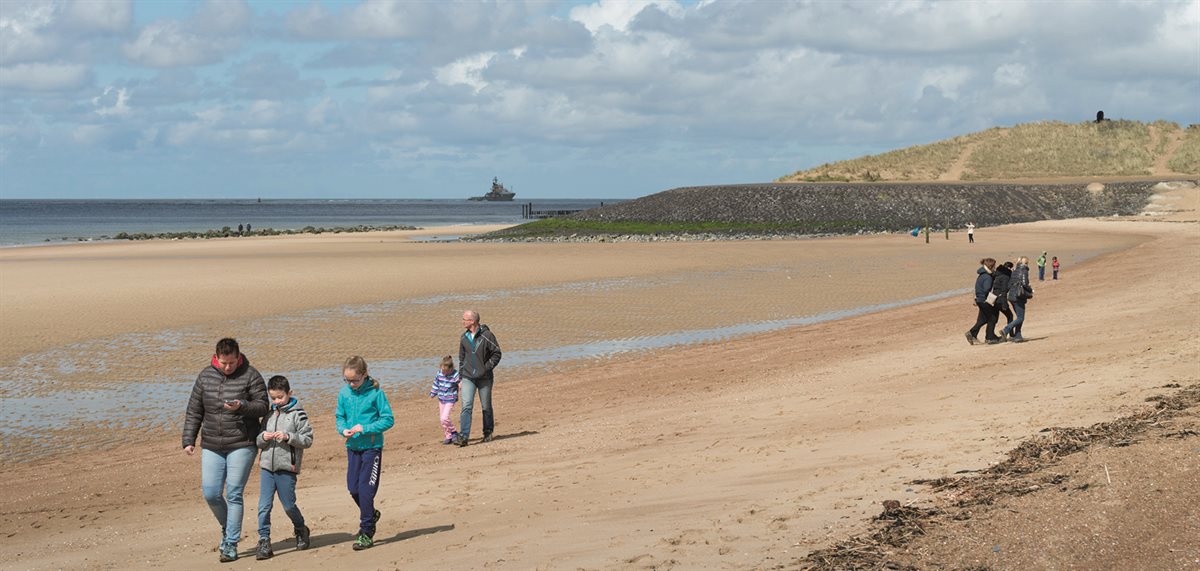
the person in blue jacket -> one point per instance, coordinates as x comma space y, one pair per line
363, 414
983, 286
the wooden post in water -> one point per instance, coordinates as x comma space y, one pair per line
926, 231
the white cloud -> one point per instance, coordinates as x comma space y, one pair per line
120, 103
1011, 75
110, 16
44, 77
465, 71
206, 37
948, 79
617, 14
23, 36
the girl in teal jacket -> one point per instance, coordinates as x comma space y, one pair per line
363, 414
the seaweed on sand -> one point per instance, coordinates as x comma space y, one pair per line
1022, 472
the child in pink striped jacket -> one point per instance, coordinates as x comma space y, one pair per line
445, 390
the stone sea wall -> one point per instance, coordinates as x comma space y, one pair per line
878, 207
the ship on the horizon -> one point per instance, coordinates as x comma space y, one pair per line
497, 194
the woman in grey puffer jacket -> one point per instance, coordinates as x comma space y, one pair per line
1019, 292
228, 400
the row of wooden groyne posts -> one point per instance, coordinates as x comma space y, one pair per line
529, 213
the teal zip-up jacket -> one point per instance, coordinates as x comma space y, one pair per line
367, 406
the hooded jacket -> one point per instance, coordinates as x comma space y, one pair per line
1000, 279
367, 406
286, 455
1018, 287
478, 354
983, 285
221, 429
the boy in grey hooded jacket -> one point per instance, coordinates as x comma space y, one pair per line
286, 433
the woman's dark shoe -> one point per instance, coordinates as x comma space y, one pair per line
302, 538
264, 549
487, 437
971, 338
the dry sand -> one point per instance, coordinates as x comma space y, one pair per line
744, 453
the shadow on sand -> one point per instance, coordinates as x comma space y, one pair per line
415, 533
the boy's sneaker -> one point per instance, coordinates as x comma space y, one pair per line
264, 549
375, 518
487, 437
460, 440
228, 552
302, 538
363, 541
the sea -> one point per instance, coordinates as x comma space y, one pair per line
35, 222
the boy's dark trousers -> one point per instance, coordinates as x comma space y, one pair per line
362, 479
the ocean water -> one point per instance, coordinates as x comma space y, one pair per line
30, 222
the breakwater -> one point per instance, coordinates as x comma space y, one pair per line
806, 209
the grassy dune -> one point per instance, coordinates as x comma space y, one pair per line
1187, 158
1032, 150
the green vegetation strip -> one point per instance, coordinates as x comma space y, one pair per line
564, 227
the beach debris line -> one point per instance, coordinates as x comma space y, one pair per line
226, 232
1023, 472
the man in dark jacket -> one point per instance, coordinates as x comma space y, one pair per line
228, 401
478, 355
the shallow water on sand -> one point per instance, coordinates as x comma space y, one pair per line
134, 386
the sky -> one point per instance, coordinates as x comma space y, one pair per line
601, 99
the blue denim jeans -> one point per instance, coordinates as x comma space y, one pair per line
466, 398
1014, 328
229, 471
283, 483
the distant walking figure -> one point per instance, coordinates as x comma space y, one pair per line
247, 228
239, 228
983, 288
1041, 264
970, 232
478, 355
1054, 266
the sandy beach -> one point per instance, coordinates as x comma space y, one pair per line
723, 405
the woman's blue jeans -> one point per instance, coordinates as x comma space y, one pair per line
1014, 328
466, 394
229, 471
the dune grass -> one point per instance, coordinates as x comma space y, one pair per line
1049, 149
922, 162
1031, 150
1187, 158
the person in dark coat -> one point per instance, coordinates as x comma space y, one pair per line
983, 286
1000, 280
225, 410
1019, 292
478, 355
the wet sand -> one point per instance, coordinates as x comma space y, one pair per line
741, 452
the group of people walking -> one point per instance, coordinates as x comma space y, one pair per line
999, 287
237, 416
